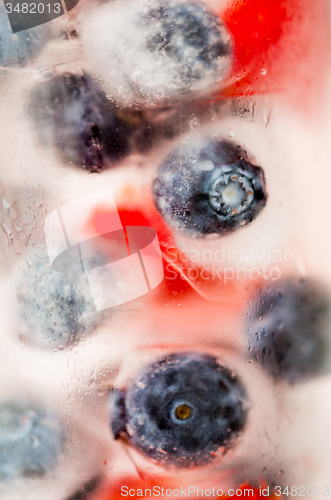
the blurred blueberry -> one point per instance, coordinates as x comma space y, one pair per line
289, 329
30, 441
180, 410
209, 188
89, 131
56, 308
18, 49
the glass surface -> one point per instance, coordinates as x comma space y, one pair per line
165, 242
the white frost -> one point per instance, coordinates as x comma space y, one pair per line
115, 38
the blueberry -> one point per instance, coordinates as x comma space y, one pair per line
289, 329
18, 49
158, 51
30, 441
180, 410
89, 131
192, 38
209, 188
56, 308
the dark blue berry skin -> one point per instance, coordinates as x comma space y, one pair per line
17, 50
289, 329
149, 414
89, 131
30, 442
209, 188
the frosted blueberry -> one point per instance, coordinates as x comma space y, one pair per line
209, 187
30, 441
289, 329
88, 130
181, 410
56, 308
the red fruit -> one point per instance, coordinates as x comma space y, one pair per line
132, 214
182, 278
280, 46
